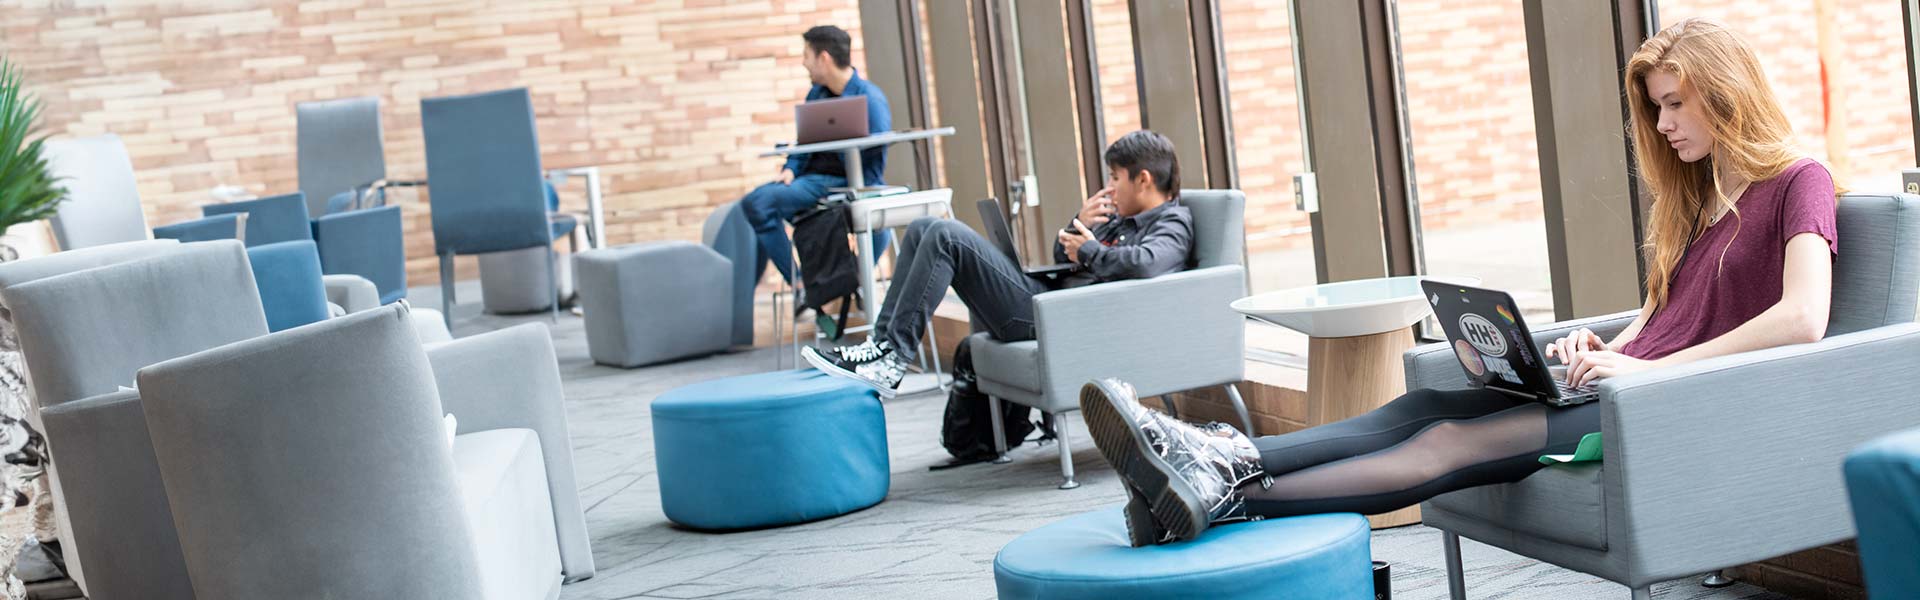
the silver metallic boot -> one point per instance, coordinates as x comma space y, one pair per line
1189, 476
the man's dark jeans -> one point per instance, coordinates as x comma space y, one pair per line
939, 253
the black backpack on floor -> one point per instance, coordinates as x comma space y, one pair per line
828, 268
967, 430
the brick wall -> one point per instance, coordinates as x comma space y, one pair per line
674, 98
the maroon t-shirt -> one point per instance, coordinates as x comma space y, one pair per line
1708, 298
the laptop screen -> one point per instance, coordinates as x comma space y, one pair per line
1490, 339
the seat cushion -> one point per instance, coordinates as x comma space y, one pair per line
1563, 503
900, 209
1086, 556
503, 479
1012, 364
769, 449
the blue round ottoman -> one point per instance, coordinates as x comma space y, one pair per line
1317, 557
769, 449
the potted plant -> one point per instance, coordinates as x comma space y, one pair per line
28, 193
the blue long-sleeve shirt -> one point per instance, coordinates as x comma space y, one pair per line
873, 161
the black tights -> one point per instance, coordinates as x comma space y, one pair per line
1420, 445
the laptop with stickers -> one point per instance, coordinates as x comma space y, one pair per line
1494, 346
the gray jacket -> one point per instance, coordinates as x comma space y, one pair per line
1155, 242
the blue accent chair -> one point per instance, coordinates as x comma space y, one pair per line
288, 275
489, 194
1883, 484
365, 242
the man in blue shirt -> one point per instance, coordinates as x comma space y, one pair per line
805, 178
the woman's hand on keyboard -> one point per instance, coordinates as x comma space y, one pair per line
1594, 365
1581, 340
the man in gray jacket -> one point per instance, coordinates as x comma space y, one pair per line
1136, 228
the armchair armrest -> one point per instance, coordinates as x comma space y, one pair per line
510, 378
351, 293
368, 243
230, 226
1166, 334
1738, 458
1434, 366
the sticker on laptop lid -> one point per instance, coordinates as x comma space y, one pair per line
1469, 358
1503, 369
1483, 335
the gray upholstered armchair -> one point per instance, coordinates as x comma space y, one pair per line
1180, 333
1724, 461
89, 319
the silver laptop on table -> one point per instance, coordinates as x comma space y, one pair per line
832, 119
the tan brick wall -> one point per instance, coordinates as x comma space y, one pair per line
675, 98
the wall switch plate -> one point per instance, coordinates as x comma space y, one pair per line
1032, 186
1306, 193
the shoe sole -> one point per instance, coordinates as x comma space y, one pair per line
1174, 504
1141, 528
826, 366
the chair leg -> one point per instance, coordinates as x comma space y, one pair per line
999, 432
778, 360
933, 352
1060, 433
1644, 592
446, 290
1240, 408
553, 284
1717, 579
1456, 576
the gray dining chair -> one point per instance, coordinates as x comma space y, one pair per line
489, 194
339, 150
103, 201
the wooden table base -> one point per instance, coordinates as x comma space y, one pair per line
1350, 376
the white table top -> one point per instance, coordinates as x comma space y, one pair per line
1347, 308
878, 139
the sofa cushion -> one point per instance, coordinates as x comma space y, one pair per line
1563, 503
1013, 364
503, 482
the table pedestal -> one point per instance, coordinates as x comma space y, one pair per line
1349, 376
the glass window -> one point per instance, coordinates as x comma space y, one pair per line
1848, 101
1113, 54
1265, 103
1469, 105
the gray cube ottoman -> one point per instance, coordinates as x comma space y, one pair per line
655, 302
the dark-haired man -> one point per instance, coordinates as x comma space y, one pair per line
805, 178
1136, 228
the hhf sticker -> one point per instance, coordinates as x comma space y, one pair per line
1483, 335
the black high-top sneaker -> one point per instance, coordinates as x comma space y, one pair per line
1188, 476
872, 363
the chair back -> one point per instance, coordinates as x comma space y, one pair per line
103, 202
284, 454
727, 232
483, 169
1876, 277
84, 333
339, 144
1219, 227
292, 292
270, 220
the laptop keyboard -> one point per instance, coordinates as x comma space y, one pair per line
1568, 391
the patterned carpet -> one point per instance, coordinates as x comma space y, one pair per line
936, 534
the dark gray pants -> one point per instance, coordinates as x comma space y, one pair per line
939, 253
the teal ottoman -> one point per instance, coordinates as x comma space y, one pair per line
769, 449
1317, 557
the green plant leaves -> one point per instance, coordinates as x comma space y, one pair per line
28, 192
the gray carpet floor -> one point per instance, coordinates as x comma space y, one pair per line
936, 533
